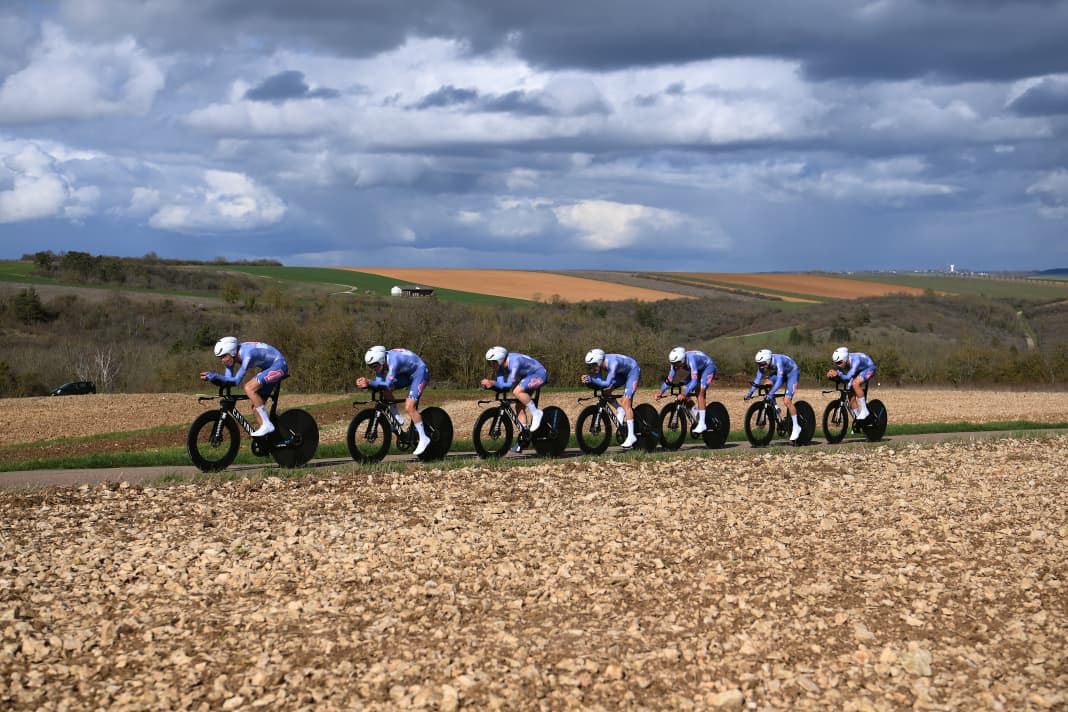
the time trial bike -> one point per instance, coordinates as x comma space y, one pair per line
371, 431
838, 414
596, 423
677, 419
766, 417
215, 436
495, 426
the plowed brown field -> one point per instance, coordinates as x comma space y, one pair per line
815, 285
520, 284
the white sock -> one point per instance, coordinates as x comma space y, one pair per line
700, 417
397, 413
262, 410
794, 417
862, 404
419, 429
532, 409
630, 428
621, 413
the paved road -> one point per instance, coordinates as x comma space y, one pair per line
66, 478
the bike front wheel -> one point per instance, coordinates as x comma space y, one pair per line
492, 435
593, 431
368, 437
835, 421
673, 426
718, 421
875, 426
294, 441
759, 426
438, 427
212, 441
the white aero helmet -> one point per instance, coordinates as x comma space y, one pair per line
677, 355
595, 357
497, 353
375, 356
763, 357
227, 345
840, 354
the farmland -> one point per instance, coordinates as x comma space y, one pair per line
884, 577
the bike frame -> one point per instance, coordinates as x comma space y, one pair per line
605, 409
681, 407
228, 404
382, 410
772, 409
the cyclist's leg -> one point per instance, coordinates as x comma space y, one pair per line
259, 388
523, 392
788, 399
858, 389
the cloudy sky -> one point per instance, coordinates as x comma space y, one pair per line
599, 134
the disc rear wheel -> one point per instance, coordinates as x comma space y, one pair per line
297, 427
553, 434
438, 427
718, 421
875, 426
646, 427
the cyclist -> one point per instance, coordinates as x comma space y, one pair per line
773, 370
702, 370
619, 370
523, 375
268, 359
856, 369
399, 368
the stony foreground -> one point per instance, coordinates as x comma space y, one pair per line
931, 577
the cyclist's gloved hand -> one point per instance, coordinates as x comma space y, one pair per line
211, 376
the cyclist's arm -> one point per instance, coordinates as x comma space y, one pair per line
511, 380
669, 380
231, 377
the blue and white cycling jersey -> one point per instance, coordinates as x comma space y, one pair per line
404, 369
781, 368
267, 358
859, 364
524, 370
618, 370
702, 371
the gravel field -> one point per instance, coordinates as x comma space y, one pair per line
881, 578
26, 420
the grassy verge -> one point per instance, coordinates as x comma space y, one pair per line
177, 456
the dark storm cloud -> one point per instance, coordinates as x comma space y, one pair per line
447, 96
965, 39
287, 85
1048, 97
512, 102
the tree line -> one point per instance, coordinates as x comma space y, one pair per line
129, 343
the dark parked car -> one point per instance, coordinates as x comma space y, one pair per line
75, 388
